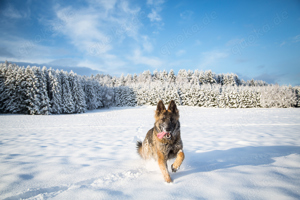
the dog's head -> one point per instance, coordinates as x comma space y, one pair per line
167, 120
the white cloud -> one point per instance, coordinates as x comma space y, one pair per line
235, 41
211, 57
29, 50
296, 38
155, 2
198, 42
186, 15
13, 13
154, 16
180, 52
156, 8
283, 43
147, 46
138, 58
104, 4
94, 32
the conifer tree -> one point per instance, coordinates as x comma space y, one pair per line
68, 105
77, 93
55, 91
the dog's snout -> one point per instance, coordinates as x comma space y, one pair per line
168, 129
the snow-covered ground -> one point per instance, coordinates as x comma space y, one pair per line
230, 154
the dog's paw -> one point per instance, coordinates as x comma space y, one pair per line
174, 169
168, 180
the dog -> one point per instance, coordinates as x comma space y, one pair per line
163, 141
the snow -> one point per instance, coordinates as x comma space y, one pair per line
230, 154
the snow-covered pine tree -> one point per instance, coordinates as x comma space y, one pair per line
212, 96
108, 96
128, 79
195, 78
90, 94
68, 105
130, 96
141, 94
77, 93
236, 79
246, 99
155, 76
164, 76
202, 95
154, 91
121, 81
231, 80
202, 79
98, 92
42, 93
13, 90
169, 93
233, 97
3, 95
55, 91
118, 96
193, 95
135, 78
223, 98
182, 77
209, 77
189, 75
183, 91
225, 79
31, 89
171, 77
147, 77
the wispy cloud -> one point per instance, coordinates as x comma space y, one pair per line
138, 58
186, 15
296, 38
95, 32
154, 16
235, 41
283, 43
180, 52
11, 12
156, 8
147, 45
211, 57
198, 42
17, 48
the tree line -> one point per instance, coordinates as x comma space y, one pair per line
43, 91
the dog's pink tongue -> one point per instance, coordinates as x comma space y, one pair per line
161, 135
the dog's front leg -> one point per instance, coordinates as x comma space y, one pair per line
162, 162
179, 159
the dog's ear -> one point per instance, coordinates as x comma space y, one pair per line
160, 107
172, 107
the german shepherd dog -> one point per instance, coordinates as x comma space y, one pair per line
163, 141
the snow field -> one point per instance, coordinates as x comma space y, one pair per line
230, 154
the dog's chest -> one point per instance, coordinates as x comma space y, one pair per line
166, 148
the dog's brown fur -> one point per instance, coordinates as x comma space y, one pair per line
165, 148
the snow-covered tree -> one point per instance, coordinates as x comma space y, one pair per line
68, 105
77, 93
41, 93
209, 77
55, 91
171, 77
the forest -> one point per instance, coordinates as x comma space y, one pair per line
42, 91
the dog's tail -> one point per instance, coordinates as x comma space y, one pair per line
139, 147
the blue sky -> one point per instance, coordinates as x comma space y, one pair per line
257, 39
